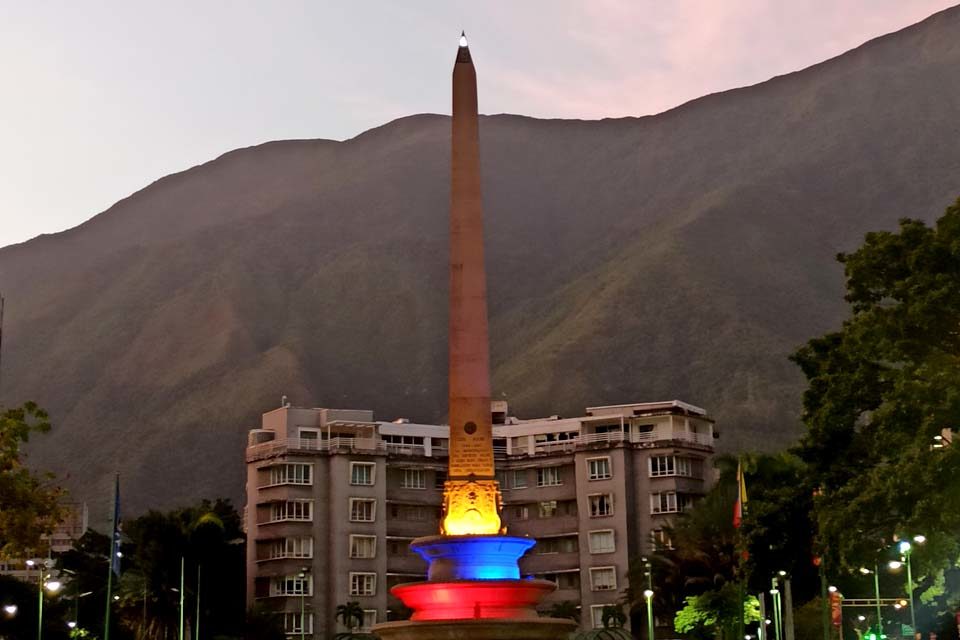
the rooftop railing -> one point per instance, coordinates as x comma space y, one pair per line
373, 445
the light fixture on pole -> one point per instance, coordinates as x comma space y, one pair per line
304, 572
648, 596
906, 549
777, 611
876, 590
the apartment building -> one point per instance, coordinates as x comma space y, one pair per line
334, 499
76, 518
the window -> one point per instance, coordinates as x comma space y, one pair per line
520, 512
603, 578
548, 509
410, 441
519, 479
562, 544
663, 502
413, 479
399, 547
670, 502
369, 619
312, 435
363, 546
548, 477
363, 584
602, 541
501, 477
412, 512
300, 510
292, 547
601, 504
596, 615
598, 468
361, 473
660, 539
676, 466
662, 466
292, 473
565, 580
363, 510
439, 477
293, 622
292, 585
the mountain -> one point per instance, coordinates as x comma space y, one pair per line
682, 255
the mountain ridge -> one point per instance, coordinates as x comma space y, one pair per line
679, 255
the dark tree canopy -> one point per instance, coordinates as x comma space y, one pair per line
883, 398
29, 503
881, 389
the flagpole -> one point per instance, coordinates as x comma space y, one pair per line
112, 555
197, 621
182, 562
740, 508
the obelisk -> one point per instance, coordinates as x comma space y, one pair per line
471, 470
473, 587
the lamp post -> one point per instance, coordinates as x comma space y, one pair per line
905, 549
777, 612
648, 596
304, 571
52, 586
876, 590
183, 562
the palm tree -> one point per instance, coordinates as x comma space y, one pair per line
612, 616
351, 614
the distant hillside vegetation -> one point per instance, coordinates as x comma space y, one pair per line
683, 255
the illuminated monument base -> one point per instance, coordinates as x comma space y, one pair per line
474, 590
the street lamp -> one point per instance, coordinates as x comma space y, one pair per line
10, 610
876, 589
777, 612
648, 596
905, 549
304, 571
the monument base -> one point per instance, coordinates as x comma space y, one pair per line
477, 629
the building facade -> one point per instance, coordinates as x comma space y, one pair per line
334, 498
76, 519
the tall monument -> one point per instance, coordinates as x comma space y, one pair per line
473, 588
471, 495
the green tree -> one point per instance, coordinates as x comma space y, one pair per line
716, 613
612, 616
29, 504
263, 624
880, 389
208, 534
350, 614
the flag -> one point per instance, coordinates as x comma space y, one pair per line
740, 506
115, 547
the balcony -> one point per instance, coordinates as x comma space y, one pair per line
283, 446
306, 445
588, 439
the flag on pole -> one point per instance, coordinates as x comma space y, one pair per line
740, 506
115, 547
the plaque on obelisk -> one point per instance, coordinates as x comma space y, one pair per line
471, 495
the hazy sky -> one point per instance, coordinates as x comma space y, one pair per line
98, 99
